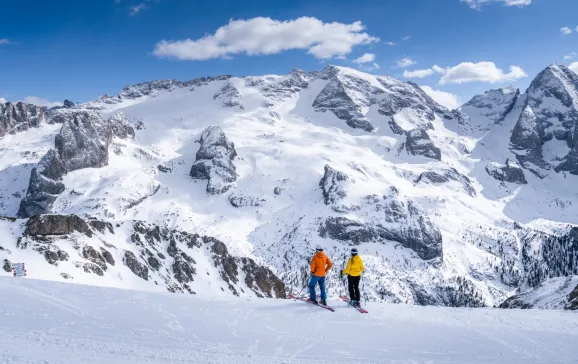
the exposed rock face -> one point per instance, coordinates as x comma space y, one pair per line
403, 221
56, 225
214, 161
148, 88
510, 172
549, 115
69, 104
7, 266
245, 201
419, 143
487, 109
556, 293
286, 86
82, 143
229, 96
120, 126
333, 185
20, 116
447, 176
135, 266
346, 95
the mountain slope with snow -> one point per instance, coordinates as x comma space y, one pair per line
273, 165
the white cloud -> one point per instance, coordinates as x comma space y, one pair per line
570, 56
390, 43
369, 68
4, 41
566, 30
136, 9
405, 62
262, 36
424, 73
480, 72
418, 73
2, 100
443, 98
407, 37
40, 101
366, 58
477, 4
574, 67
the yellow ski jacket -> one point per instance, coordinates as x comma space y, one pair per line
354, 266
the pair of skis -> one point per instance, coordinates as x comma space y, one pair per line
344, 298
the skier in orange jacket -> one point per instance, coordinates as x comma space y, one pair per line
320, 265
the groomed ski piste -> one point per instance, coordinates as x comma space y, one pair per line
59, 323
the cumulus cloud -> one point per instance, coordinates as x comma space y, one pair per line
574, 67
40, 101
481, 72
263, 36
477, 4
405, 62
418, 73
443, 98
424, 73
565, 30
366, 58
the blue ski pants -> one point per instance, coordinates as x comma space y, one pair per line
312, 283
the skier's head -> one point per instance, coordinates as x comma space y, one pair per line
318, 248
354, 251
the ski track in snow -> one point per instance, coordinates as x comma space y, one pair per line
55, 323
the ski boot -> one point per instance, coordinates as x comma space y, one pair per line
313, 301
323, 303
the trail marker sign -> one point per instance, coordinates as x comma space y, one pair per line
19, 270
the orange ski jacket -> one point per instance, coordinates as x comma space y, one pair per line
320, 264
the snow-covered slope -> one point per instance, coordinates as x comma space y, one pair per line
555, 293
273, 165
49, 322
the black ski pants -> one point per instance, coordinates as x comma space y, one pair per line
353, 283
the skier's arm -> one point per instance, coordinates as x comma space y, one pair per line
329, 265
347, 268
313, 265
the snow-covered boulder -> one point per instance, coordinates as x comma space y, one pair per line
214, 161
509, 172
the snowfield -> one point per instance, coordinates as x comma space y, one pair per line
56, 323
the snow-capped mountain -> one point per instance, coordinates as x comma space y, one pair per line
460, 208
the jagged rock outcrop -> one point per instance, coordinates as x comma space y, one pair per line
246, 201
68, 104
446, 176
214, 161
401, 221
510, 172
139, 269
19, 116
556, 293
283, 88
346, 95
549, 115
333, 184
487, 109
418, 142
56, 224
7, 266
120, 126
82, 143
229, 96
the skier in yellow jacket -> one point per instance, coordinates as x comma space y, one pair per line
353, 272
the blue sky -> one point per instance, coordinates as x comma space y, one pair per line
52, 50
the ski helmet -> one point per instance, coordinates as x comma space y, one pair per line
319, 248
354, 251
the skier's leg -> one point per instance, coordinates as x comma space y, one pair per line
356, 281
351, 287
322, 288
312, 283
